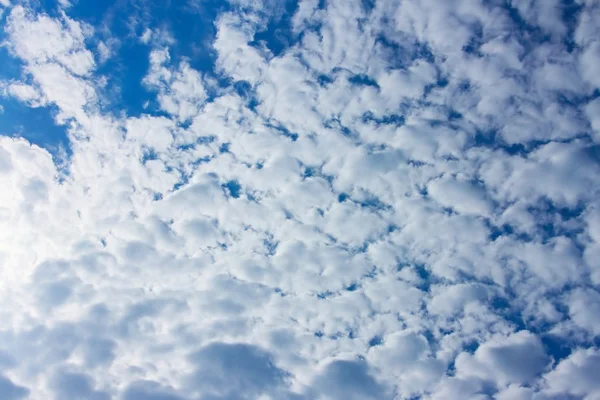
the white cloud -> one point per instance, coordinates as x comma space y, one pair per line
519, 358
515, 392
58, 64
23, 92
348, 379
70, 93
543, 14
64, 3
591, 56
145, 38
63, 40
181, 91
451, 300
238, 59
104, 52
584, 308
464, 196
576, 375
407, 357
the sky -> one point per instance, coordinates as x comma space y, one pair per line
300, 200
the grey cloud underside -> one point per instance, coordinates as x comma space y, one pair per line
402, 204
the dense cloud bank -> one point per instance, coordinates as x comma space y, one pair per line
398, 200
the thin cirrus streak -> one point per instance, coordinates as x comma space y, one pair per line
300, 200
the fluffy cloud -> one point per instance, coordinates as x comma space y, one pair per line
575, 375
519, 358
401, 202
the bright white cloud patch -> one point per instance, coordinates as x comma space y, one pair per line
373, 200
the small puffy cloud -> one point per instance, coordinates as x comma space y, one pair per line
104, 52
518, 358
63, 40
590, 56
584, 309
64, 3
451, 300
145, 38
515, 392
406, 357
575, 375
181, 91
234, 371
463, 196
58, 65
25, 93
593, 113
348, 379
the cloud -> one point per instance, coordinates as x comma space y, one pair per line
398, 202
408, 358
519, 358
225, 371
149, 390
76, 385
346, 379
63, 40
464, 196
181, 92
12, 391
59, 65
574, 375
515, 392
23, 92
583, 308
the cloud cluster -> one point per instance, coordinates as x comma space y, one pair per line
402, 203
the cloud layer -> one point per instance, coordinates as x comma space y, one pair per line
357, 200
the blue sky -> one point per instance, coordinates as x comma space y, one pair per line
389, 199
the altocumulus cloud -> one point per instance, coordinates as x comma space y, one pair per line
390, 199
